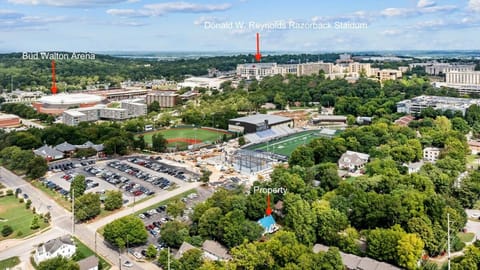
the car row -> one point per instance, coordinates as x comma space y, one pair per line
160, 182
51, 185
153, 165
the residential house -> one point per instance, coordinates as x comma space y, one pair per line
89, 263
354, 262
61, 246
431, 154
278, 208
474, 147
214, 251
414, 167
353, 161
183, 248
268, 224
48, 153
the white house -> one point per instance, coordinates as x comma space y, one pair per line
353, 161
431, 154
61, 246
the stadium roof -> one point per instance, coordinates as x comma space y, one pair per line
72, 99
260, 119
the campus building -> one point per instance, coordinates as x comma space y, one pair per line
166, 99
57, 104
417, 104
128, 109
9, 120
258, 122
435, 68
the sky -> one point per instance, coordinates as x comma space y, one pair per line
231, 25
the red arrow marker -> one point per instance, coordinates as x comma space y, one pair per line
258, 56
268, 211
54, 85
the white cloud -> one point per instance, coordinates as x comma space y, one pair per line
474, 5
65, 3
203, 19
394, 12
392, 32
161, 9
11, 20
425, 3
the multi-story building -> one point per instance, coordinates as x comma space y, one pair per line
256, 71
128, 109
431, 154
417, 104
308, 69
387, 74
166, 99
443, 68
463, 77
360, 68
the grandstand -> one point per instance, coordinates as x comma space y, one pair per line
269, 134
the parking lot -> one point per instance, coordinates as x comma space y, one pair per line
136, 177
153, 220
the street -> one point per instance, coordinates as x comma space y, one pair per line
62, 224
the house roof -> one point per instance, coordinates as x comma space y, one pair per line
355, 158
279, 205
183, 248
216, 249
51, 246
88, 263
65, 147
415, 165
89, 144
266, 222
47, 151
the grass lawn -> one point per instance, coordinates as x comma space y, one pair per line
18, 217
286, 145
83, 252
57, 197
9, 263
466, 237
205, 135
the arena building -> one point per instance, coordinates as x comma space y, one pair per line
56, 104
9, 120
258, 122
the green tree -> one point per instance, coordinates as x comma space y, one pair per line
37, 167
125, 230
151, 252
28, 203
382, 243
208, 223
153, 107
175, 208
140, 142
205, 178
113, 200
78, 186
87, 206
302, 156
460, 125
159, 143
6, 230
300, 218
173, 233
409, 249
241, 140
58, 263
330, 223
35, 223
192, 259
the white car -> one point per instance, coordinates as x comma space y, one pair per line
137, 255
128, 264
475, 215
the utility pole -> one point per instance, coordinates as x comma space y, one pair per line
73, 211
448, 239
168, 259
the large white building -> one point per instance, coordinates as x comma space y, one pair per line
128, 109
62, 246
417, 104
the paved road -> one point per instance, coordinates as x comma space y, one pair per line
30, 123
473, 226
62, 224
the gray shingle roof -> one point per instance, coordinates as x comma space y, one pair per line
51, 246
183, 248
89, 144
88, 263
65, 147
216, 249
47, 151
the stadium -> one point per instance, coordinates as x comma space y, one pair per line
56, 104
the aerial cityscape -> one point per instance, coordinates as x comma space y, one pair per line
239, 135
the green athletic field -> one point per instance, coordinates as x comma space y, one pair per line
187, 135
286, 145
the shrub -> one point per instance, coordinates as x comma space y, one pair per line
20, 200
28, 204
19, 233
9, 192
35, 224
6, 230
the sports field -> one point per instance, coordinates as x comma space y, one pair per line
286, 145
176, 136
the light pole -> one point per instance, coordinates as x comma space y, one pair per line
73, 211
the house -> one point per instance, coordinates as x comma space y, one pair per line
214, 251
89, 144
183, 248
268, 224
278, 208
89, 263
354, 262
48, 153
61, 246
364, 120
474, 147
66, 148
414, 167
353, 161
431, 154
404, 120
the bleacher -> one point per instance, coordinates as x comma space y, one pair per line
268, 134
264, 134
